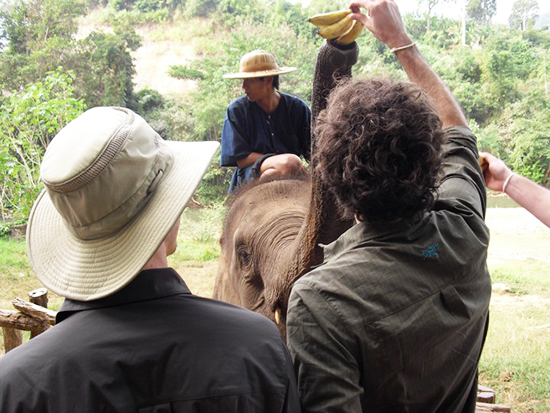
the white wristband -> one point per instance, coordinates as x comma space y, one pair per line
395, 49
507, 181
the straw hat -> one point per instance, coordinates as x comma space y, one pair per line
258, 63
114, 189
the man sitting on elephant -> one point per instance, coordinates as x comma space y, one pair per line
395, 318
265, 132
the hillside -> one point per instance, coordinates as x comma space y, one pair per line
154, 58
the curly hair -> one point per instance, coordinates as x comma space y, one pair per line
379, 149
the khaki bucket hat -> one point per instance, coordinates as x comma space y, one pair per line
113, 190
258, 63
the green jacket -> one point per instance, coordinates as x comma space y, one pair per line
396, 317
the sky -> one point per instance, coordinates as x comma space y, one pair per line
504, 8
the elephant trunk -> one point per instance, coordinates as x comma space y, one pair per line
323, 223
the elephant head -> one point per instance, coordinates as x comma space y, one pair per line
261, 233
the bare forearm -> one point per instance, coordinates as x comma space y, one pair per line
533, 197
420, 72
384, 21
249, 160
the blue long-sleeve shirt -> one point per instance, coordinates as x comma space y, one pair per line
247, 128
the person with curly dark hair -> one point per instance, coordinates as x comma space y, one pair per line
395, 318
379, 149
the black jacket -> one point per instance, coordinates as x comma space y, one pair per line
151, 347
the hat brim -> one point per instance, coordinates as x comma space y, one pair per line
262, 73
89, 270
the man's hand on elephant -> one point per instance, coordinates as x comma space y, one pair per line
383, 20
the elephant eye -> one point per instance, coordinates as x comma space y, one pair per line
244, 255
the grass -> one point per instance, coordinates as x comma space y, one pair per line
516, 358
16, 276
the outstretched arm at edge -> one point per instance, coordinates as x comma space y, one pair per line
531, 196
384, 21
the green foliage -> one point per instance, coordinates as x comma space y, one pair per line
41, 37
148, 100
200, 8
530, 141
6, 227
203, 224
500, 77
186, 72
29, 120
30, 23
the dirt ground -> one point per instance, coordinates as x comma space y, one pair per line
531, 242
517, 224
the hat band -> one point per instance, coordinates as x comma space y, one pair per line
260, 67
128, 211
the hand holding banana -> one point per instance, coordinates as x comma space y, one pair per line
337, 25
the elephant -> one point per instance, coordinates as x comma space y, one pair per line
273, 229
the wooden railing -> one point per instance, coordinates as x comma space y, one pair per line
32, 315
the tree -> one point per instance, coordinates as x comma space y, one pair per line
41, 36
28, 24
105, 67
482, 11
524, 14
430, 4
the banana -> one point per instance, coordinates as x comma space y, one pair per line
335, 30
326, 19
353, 33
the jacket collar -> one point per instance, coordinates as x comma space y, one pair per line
147, 285
365, 232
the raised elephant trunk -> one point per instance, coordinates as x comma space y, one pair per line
320, 221
323, 223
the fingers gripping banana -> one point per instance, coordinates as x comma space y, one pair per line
353, 33
337, 29
326, 19
337, 25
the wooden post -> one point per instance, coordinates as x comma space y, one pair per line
39, 297
12, 338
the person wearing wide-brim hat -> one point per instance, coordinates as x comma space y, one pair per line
267, 131
130, 336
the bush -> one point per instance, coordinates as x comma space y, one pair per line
29, 120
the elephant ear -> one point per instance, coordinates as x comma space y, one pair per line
323, 223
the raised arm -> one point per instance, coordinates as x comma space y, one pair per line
534, 198
382, 18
